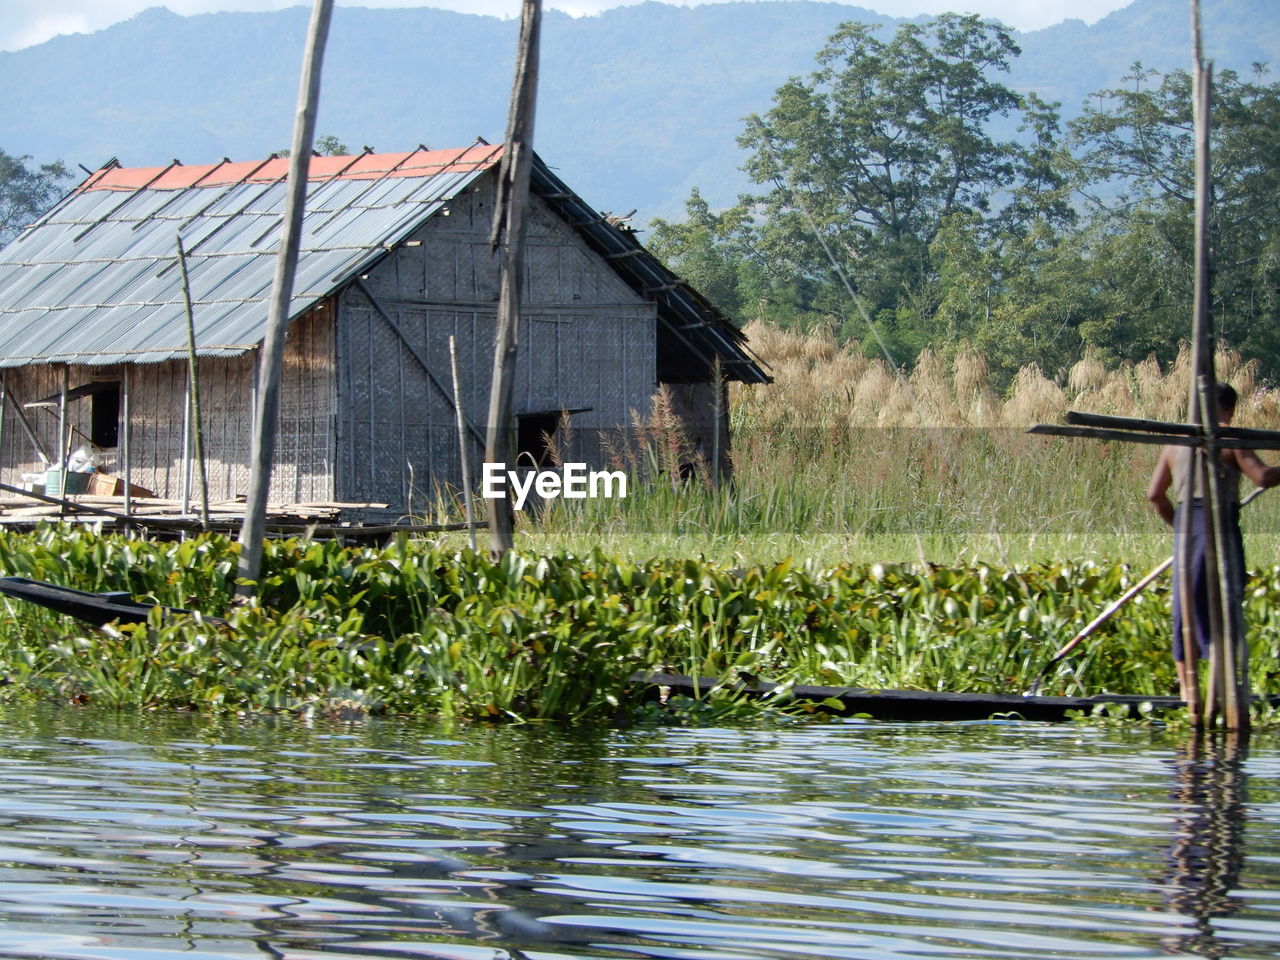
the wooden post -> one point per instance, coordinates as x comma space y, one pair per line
1215, 542
193, 388
462, 444
272, 354
1228, 675
4, 406
717, 376
126, 436
16, 403
64, 435
508, 234
186, 443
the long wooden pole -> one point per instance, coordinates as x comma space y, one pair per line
1114, 607
4, 403
193, 384
272, 354
1195, 471
1228, 681
126, 437
186, 444
64, 435
717, 377
464, 457
508, 237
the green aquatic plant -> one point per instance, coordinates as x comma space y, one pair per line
418, 628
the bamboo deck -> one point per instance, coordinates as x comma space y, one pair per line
354, 521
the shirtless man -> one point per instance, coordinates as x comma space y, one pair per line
1171, 472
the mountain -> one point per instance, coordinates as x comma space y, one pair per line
636, 105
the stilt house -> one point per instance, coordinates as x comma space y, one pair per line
395, 259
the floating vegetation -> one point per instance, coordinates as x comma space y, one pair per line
414, 628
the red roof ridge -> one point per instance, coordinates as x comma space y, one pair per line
363, 166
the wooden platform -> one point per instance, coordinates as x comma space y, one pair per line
919, 704
154, 516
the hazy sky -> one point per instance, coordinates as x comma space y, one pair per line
28, 22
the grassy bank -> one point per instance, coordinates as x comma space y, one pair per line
419, 629
841, 460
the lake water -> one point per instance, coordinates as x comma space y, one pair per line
150, 838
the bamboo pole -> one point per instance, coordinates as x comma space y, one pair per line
1195, 469
64, 435
62, 503
193, 385
126, 438
1114, 607
1189, 678
16, 403
272, 354
1213, 548
718, 377
508, 234
4, 405
462, 444
186, 442
1229, 689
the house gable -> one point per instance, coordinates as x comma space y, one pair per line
587, 342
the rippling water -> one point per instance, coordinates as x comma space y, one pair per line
142, 838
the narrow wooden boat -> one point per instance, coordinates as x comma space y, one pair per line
918, 704
98, 609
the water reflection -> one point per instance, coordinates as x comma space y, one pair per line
130, 838
1207, 855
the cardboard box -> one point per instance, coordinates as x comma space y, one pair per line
105, 485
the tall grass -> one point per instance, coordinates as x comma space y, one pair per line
842, 458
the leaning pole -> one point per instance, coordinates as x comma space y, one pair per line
271, 362
507, 240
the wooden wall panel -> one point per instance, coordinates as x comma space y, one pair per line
157, 398
586, 340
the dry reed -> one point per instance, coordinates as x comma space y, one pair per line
933, 463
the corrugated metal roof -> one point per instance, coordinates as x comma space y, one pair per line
95, 281
692, 332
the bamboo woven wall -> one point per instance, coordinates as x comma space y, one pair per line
585, 340
305, 443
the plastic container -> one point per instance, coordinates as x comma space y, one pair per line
75, 483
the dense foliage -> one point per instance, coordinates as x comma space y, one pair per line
893, 213
414, 628
26, 191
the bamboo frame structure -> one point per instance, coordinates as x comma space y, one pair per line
1228, 688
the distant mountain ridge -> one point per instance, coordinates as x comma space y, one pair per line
636, 105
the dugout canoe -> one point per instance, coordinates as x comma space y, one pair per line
917, 704
98, 609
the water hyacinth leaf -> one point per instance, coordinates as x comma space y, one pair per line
417, 628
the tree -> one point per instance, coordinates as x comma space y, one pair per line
1136, 170
711, 250
324, 146
718, 254
871, 156
26, 192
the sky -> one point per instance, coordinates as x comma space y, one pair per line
28, 22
